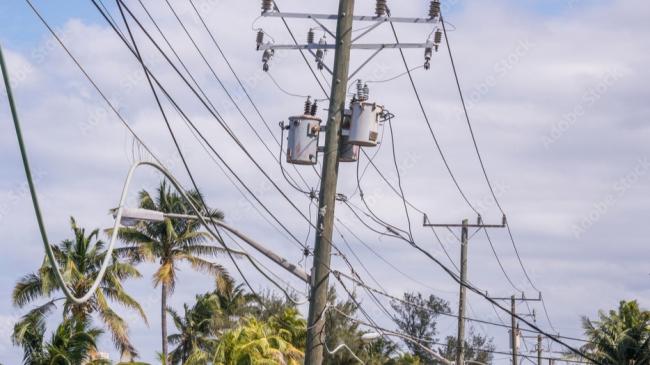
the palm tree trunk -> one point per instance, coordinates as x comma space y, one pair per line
163, 323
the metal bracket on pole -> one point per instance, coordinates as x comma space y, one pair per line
426, 223
363, 18
361, 46
365, 63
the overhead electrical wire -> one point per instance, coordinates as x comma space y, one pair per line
221, 83
174, 182
295, 41
212, 112
219, 119
483, 168
399, 177
219, 237
426, 119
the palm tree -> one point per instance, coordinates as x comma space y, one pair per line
234, 302
169, 243
255, 342
621, 337
72, 343
197, 330
81, 259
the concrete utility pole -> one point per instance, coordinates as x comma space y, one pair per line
462, 301
327, 201
460, 349
514, 330
539, 349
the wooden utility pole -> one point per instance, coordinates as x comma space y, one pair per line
460, 348
327, 201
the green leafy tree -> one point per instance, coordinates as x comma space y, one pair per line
80, 259
416, 316
620, 337
170, 243
341, 328
72, 343
255, 342
477, 347
198, 327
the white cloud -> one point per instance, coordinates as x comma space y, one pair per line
524, 71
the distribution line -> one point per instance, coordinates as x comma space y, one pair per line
487, 235
155, 79
241, 84
302, 53
426, 119
223, 86
483, 168
399, 177
384, 293
163, 89
189, 172
387, 262
177, 185
219, 120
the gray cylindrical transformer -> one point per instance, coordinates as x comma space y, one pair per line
302, 145
364, 127
347, 152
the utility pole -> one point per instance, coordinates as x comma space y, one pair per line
513, 329
462, 301
327, 200
368, 118
539, 349
460, 349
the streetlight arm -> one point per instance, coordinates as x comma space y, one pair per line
284, 263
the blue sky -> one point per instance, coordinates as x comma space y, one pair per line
553, 88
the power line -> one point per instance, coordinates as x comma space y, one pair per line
170, 98
426, 119
220, 120
180, 152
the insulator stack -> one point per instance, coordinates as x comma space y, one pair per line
310, 36
320, 53
360, 91
308, 106
366, 92
437, 39
267, 5
260, 38
428, 53
266, 57
434, 9
314, 108
380, 9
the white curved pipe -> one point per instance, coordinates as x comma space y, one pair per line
111, 245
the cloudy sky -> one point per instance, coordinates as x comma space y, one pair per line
554, 89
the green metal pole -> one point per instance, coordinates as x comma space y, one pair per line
23, 153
